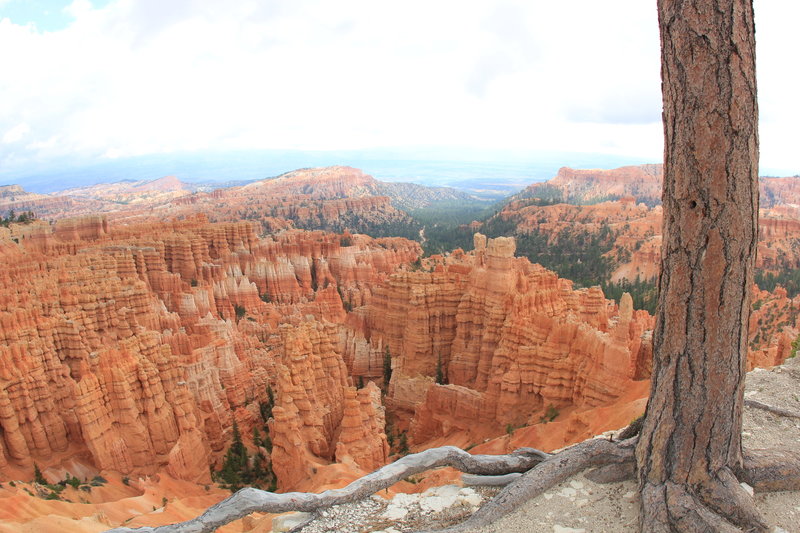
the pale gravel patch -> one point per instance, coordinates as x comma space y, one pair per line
595, 508
366, 516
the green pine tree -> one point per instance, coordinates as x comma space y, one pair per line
439, 371
235, 468
403, 445
37, 475
387, 367
266, 407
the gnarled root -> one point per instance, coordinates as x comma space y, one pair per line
755, 404
771, 470
548, 473
721, 505
250, 500
613, 473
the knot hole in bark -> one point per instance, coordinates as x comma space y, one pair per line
692, 204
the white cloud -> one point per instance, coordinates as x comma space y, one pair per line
16, 133
145, 76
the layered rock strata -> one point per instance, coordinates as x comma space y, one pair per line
509, 338
134, 345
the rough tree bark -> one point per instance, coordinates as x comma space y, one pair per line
690, 447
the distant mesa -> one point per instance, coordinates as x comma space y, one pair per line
101, 190
643, 182
330, 198
11, 190
625, 203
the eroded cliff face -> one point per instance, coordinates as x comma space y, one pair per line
587, 186
642, 182
330, 198
773, 331
509, 338
572, 203
136, 345
484, 341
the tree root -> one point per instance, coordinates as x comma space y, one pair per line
250, 500
613, 473
471, 480
772, 409
633, 429
720, 506
550, 472
771, 470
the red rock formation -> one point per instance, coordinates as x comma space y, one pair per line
511, 337
81, 228
133, 344
774, 192
334, 198
635, 230
773, 327
318, 416
362, 437
15, 198
642, 182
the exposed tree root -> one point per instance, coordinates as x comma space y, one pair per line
721, 506
489, 481
772, 409
771, 470
613, 473
250, 500
633, 429
550, 472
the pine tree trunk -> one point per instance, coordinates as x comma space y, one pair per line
690, 447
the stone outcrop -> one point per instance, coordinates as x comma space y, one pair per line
585, 186
318, 417
134, 345
774, 192
642, 182
15, 198
331, 198
572, 203
773, 327
510, 338
362, 437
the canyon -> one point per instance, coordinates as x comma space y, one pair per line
625, 204
137, 340
330, 198
133, 348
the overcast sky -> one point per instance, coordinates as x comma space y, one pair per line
110, 79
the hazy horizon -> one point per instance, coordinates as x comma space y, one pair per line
434, 169
105, 84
